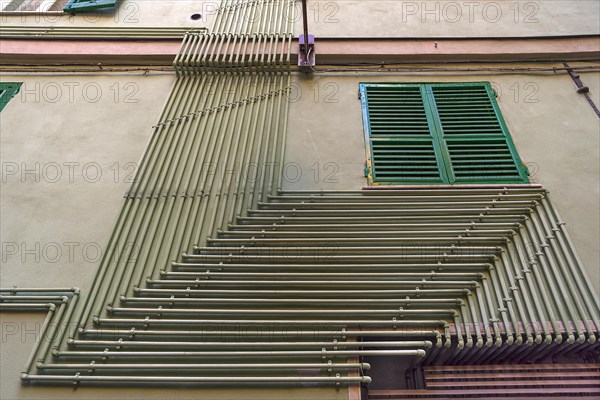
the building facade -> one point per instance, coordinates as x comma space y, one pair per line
188, 210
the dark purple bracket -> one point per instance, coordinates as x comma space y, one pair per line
306, 53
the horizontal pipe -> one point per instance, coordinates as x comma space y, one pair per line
94, 32
366, 235
422, 283
303, 301
289, 219
375, 205
195, 379
310, 333
321, 197
26, 306
331, 267
19, 291
289, 292
107, 354
378, 211
287, 311
92, 366
304, 322
432, 189
313, 275
242, 344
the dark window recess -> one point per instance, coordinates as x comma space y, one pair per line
437, 134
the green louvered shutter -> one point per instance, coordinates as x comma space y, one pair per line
474, 134
74, 6
8, 90
401, 146
437, 133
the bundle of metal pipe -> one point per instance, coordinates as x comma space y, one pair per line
248, 36
498, 281
95, 32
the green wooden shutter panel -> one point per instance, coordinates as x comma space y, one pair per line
438, 133
88, 5
8, 90
476, 139
402, 148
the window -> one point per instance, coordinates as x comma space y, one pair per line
7, 92
437, 134
37, 6
54, 6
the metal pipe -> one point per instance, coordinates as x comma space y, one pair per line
109, 354
120, 344
210, 367
77, 378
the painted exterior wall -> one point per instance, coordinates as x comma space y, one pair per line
360, 18
392, 18
129, 13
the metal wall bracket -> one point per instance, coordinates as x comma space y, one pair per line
306, 52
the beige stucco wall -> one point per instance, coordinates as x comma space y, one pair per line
367, 18
411, 18
69, 144
129, 13
79, 136
554, 129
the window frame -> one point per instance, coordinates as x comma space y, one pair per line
444, 162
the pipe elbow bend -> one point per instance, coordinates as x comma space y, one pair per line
530, 340
519, 340
559, 339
